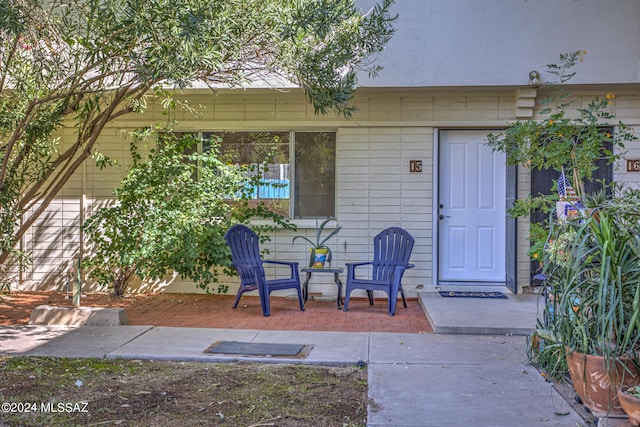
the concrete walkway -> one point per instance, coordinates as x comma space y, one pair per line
421, 380
515, 315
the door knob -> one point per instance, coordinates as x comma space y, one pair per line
443, 216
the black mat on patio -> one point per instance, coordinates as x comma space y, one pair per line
261, 349
472, 294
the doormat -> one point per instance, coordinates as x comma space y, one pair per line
260, 349
472, 294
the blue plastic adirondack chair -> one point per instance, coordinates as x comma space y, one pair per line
391, 251
245, 258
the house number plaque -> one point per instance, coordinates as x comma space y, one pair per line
633, 165
415, 165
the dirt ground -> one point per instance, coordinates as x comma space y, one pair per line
92, 392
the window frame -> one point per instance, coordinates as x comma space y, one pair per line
301, 220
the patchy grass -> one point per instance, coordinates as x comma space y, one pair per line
37, 391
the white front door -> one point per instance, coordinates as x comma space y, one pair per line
471, 209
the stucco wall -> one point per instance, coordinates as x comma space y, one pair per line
447, 43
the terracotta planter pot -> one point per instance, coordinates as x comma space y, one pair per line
630, 405
597, 385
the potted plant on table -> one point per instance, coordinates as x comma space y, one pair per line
594, 283
320, 253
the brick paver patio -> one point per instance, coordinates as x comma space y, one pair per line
214, 311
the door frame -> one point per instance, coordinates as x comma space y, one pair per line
510, 223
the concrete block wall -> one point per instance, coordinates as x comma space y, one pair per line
626, 107
375, 188
376, 191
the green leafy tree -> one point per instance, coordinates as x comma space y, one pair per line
562, 142
84, 64
171, 214
572, 142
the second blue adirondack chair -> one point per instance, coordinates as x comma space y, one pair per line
391, 252
245, 258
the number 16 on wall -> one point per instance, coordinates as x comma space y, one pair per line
633, 165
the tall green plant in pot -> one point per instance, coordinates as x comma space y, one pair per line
594, 277
590, 265
320, 253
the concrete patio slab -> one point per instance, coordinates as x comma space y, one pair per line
329, 348
515, 315
88, 341
173, 343
449, 349
462, 395
20, 339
